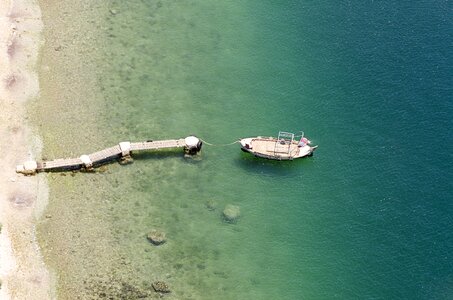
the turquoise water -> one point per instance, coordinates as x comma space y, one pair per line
369, 216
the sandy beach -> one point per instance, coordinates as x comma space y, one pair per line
35, 82
22, 199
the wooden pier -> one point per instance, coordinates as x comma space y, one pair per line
123, 151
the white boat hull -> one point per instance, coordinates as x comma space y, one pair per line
268, 147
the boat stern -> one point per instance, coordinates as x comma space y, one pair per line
306, 151
312, 149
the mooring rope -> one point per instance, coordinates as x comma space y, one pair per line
219, 145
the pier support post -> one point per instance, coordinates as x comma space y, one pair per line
125, 148
28, 168
87, 163
193, 145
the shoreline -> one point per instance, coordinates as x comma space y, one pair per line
22, 270
63, 116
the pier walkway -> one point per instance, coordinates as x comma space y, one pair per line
123, 151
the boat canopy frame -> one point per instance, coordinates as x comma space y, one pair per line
300, 135
285, 140
283, 143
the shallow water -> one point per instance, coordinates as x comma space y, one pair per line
366, 217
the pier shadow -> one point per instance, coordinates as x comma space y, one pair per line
100, 166
167, 154
158, 154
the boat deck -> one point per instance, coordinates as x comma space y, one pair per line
270, 147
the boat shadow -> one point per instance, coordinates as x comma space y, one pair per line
257, 165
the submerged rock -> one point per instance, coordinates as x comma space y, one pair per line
211, 205
114, 288
160, 287
231, 213
156, 237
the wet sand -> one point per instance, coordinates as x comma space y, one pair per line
22, 199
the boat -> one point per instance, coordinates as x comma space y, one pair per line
286, 146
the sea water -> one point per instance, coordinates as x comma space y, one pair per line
367, 217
